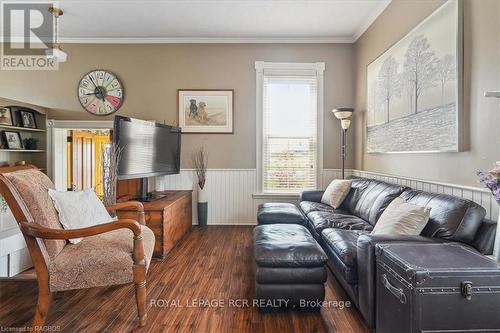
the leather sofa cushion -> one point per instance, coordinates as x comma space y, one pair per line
322, 220
293, 275
310, 206
342, 245
369, 198
358, 185
286, 245
485, 237
451, 218
270, 213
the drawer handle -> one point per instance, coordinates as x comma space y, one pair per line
398, 292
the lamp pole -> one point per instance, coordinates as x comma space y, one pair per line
343, 114
342, 153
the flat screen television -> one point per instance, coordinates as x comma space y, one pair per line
147, 148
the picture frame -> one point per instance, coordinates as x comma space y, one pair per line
398, 109
206, 111
13, 139
6, 116
27, 118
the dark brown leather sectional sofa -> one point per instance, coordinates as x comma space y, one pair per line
344, 233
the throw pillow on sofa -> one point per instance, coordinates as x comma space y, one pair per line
402, 218
336, 192
79, 209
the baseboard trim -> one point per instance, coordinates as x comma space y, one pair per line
229, 224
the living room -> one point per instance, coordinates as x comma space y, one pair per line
281, 166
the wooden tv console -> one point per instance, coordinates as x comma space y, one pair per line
170, 218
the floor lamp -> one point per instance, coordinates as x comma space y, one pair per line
343, 114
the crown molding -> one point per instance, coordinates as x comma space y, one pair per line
208, 40
194, 40
370, 19
223, 40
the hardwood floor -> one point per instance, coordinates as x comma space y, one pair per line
214, 263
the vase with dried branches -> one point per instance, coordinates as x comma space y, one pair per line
200, 163
111, 156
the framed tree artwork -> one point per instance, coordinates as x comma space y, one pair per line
414, 96
205, 111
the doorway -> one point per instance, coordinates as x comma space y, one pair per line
76, 154
84, 159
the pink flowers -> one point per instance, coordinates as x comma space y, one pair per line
491, 179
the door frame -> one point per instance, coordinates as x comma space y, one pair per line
69, 124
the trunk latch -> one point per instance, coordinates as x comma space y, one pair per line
467, 290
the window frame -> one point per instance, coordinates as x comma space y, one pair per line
287, 69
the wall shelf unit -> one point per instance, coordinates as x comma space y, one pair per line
23, 150
36, 156
14, 256
22, 129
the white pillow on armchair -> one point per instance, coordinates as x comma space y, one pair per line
79, 209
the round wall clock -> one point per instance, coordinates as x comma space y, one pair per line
100, 92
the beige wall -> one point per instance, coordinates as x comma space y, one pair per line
152, 74
482, 73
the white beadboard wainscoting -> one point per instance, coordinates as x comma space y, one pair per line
231, 192
231, 200
481, 196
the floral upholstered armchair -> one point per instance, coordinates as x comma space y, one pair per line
112, 253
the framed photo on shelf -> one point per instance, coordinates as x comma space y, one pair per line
27, 118
13, 139
205, 110
6, 116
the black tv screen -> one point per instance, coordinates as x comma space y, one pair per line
147, 148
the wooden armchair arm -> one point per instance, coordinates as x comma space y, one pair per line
38, 231
130, 204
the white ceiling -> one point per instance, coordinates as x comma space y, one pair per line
125, 21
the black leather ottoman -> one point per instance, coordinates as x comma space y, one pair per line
290, 268
271, 213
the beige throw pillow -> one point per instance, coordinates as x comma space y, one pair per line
79, 209
402, 218
336, 192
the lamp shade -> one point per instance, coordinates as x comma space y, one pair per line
342, 113
345, 123
56, 54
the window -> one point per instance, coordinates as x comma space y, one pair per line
289, 151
